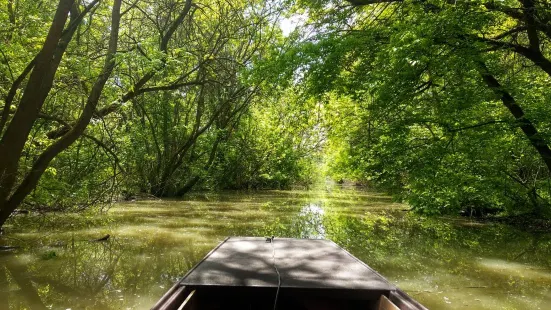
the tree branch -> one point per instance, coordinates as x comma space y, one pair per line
527, 127
477, 125
11, 93
534, 55
107, 149
179, 20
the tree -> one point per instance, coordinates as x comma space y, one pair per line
427, 77
178, 135
172, 86
42, 70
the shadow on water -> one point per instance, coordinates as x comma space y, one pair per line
446, 263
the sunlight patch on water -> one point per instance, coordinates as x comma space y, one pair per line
311, 217
164, 235
507, 269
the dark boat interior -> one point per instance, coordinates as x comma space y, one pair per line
213, 298
259, 298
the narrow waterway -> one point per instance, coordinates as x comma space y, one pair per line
450, 263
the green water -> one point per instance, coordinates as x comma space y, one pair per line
444, 263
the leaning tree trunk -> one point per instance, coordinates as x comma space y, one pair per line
9, 203
35, 93
527, 127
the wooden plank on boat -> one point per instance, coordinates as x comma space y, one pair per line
302, 263
386, 304
168, 295
404, 301
176, 297
188, 303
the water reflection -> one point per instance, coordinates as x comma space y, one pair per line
92, 275
445, 263
310, 222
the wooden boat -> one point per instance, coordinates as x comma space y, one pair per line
281, 273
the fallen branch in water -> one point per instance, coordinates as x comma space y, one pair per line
8, 248
104, 238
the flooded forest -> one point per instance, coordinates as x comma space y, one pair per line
136, 135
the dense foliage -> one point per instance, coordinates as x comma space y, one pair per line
108, 99
442, 103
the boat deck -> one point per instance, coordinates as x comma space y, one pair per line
302, 263
249, 272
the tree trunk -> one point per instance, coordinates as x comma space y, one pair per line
4, 212
31, 180
191, 183
527, 127
35, 93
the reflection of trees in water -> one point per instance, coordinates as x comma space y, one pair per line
4, 286
378, 236
309, 222
23, 281
78, 271
428, 251
100, 275
435, 255
539, 240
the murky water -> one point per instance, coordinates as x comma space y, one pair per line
444, 263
